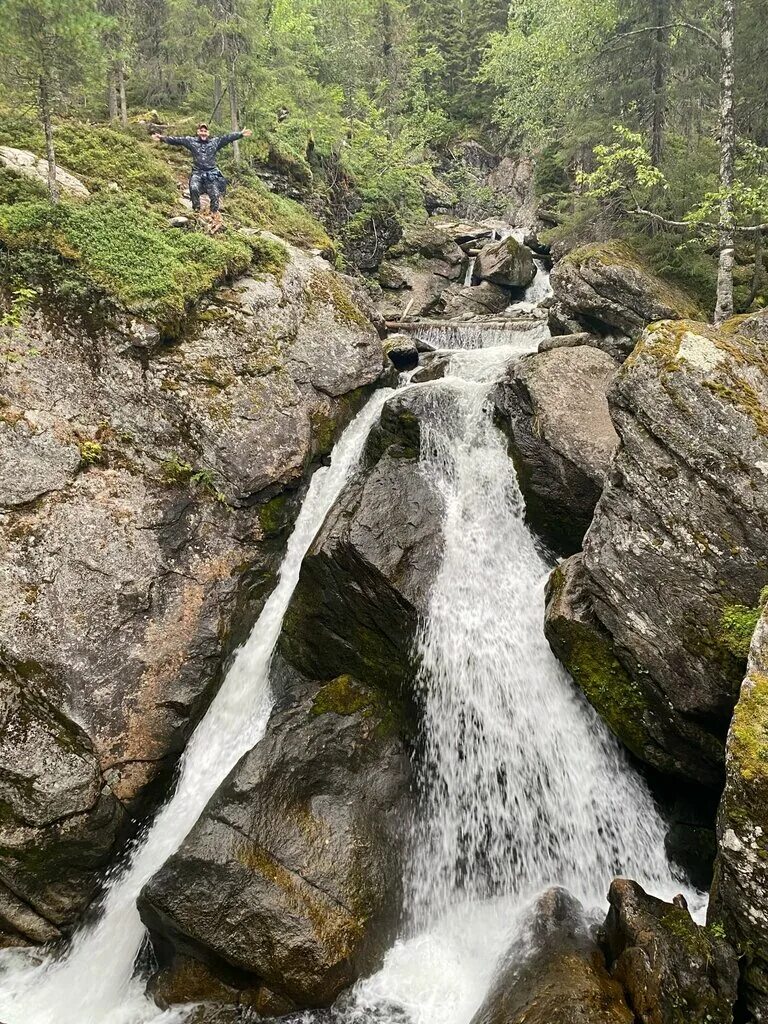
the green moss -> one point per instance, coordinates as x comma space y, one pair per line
113, 246
590, 659
694, 940
748, 742
327, 288
91, 452
345, 696
177, 473
272, 515
251, 204
269, 257
737, 625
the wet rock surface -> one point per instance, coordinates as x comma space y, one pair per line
506, 263
739, 903
292, 876
672, 969
607, 287
679, 535
139, 533
556, 974
554, 408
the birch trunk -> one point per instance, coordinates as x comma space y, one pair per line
121, 93
724, 307
112, 92
233, 113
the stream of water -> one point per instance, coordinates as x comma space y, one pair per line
521, 785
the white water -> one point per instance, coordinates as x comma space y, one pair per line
523, 787
524, 335
94, 983
470, 271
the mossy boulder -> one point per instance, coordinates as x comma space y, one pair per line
607, 287
739, 902
366, 578
291, 881
507, 263
554, 409
679, 542
555, 973
672, 970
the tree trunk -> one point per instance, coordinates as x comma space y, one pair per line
121, 93
724, 307
233, 114
44, 97
218, 96
758, 271
660, 73
112, 92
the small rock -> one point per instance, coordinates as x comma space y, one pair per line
402, 351
179, 222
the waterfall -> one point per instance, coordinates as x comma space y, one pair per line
94, 983
522, 785
470, 271
522, 335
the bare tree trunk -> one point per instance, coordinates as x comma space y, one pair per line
758, 271
724, 307
218, 96
44, 97
121, 93
112, 92
661, 65
233, 113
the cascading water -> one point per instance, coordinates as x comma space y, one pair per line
522, 785
523, 335
94, 983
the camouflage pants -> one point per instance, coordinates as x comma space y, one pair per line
210, 183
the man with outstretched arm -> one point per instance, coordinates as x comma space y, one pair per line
206, 177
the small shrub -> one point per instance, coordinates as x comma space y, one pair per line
91, 452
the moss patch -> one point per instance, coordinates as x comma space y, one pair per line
273, 515
737, 625
325, 287
749, 729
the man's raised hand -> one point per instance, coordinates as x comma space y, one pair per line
155, 136
247, 133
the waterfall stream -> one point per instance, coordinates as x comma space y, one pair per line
521, 785
94, 983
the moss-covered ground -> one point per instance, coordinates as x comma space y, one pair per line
117, 246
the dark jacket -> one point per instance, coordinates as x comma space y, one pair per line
203, 153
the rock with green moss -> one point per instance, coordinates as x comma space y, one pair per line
554, 409
146, 491
739, 902
291, 881
507, 263
554, 973
672, 970
367, 576
677, 553
607, 287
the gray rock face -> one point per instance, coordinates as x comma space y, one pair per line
479, 300
607, 287
402, 351
506, 263
672, 969
739, 900
617, 347
367, 576
679, 536
292, 876
554, 408
139, 532
555, 974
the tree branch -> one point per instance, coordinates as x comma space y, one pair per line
673, 24
689, 226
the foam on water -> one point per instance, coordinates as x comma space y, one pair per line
94, 982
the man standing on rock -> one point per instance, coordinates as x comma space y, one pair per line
206, 177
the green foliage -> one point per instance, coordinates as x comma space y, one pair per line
737, 625
624, 170
176, 472
91, 452
251, 204
114, 246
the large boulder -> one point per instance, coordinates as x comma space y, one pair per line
464, 302
26, 164
607, 287
144, 500
506, 263
672, 969
679, 541
554, 408
430, 242
555, 974
739, 902
291, 879
366, 578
